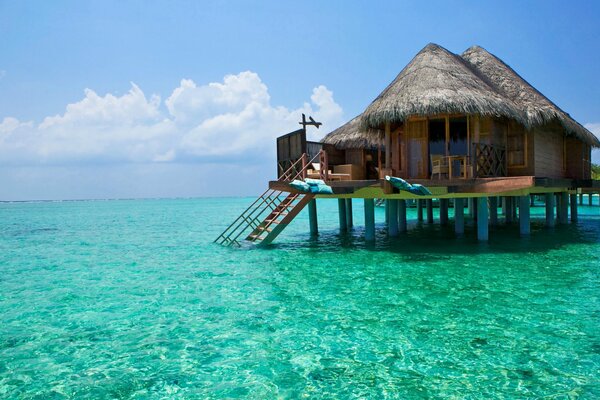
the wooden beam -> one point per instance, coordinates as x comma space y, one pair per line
429, 203
459, 216
392, 218
349, 216
388, 147
369, 219
342, 214
549, 209
482, 219
524, 214
312, 217
402, 227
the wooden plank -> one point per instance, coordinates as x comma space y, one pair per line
498, 185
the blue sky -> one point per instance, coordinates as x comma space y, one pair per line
106, 99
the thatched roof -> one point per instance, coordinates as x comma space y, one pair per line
437, 81
536, 107
350, 136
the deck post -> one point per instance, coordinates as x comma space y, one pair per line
590, 199
419, 210
493, 210
563, 217
549, 209
369, 219
573, 208
508, 216
312, 217
386, 204
515, 206
459, 216
393, 218
349, 216
444, 211
524, 223
580, 199
342, 214
429, 211
482, 219
503, 201
471, 206
402, 215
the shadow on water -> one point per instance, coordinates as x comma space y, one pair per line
433, 240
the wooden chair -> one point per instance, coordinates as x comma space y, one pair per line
439, 165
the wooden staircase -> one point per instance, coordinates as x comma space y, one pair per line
272, 211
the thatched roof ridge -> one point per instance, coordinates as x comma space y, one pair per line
351, 136
537, 108
437, 81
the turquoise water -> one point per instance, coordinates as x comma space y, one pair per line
130, 299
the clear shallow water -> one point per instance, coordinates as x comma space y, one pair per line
130, 299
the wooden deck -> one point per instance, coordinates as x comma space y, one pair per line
513, 185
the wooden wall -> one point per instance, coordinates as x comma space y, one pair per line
549, 151
578, 158
355, 156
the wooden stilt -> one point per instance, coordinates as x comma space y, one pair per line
312, 217
563, 217
524, 223
471, 206
349, 216
482, 219
549, 209
503, 200
459, 216
581, 199
573, 208
508, 217
393, 218
444, 211
369, 219
590, 199
387, 211
494, 211
419, 210
429, 211
402, 227
515, 206
342, 214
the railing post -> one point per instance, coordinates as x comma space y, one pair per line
304, 163
325, 166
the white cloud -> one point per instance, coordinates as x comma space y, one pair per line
594, 127
230, 118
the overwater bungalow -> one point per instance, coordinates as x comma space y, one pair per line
467, 127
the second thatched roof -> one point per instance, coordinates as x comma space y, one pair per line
537, 109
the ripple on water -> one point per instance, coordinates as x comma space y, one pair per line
130, 299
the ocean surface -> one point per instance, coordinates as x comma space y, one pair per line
130, 299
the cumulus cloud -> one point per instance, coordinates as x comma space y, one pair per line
221, 119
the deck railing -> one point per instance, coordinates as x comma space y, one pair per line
299, 168
489, 161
